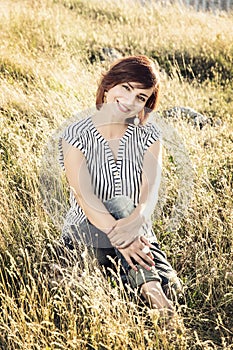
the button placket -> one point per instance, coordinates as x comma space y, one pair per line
117, 180
118, 168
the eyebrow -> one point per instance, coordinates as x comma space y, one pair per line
140, 93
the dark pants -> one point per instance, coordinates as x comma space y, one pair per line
85, 234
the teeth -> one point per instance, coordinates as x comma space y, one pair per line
125, 109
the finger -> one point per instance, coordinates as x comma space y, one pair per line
119, 243
142, 262
124, 244
151, 255
145, 241
128, 242
129, 261
147, 258
112, 234
114, 238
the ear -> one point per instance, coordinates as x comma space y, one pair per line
105, 96
141, 116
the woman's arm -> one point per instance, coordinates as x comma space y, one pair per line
127, 229
79, 180
151, 178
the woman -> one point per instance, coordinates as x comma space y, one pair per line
112, 161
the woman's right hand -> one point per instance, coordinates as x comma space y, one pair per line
134, 251
126, 230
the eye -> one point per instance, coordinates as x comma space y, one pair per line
126, 87
141, 98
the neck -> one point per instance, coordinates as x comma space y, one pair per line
108, 125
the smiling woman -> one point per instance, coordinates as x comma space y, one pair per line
113, 167
129, 98
134, 72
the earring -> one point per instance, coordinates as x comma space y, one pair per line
136, 121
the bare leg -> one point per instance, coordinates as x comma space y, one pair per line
153, 293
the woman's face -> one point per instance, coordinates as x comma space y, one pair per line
128, 98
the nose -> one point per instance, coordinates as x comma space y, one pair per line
131, 99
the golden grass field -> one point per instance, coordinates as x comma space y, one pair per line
51, 59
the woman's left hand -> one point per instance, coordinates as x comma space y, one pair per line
135, 251
126, 230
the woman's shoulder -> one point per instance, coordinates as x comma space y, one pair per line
82, 124
78, 128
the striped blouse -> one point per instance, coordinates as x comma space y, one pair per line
109, 178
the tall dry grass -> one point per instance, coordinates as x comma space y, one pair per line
50, 62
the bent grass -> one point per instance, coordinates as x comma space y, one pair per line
46, 76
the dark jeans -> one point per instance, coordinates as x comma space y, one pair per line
86, 234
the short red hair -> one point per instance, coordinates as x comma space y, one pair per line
138, 69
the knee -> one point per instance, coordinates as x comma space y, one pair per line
120, 206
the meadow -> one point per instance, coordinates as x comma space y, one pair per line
51, 58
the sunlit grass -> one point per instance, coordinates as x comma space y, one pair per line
50, 63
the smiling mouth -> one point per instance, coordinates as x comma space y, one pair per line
122, 107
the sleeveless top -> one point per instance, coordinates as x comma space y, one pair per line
109, 178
